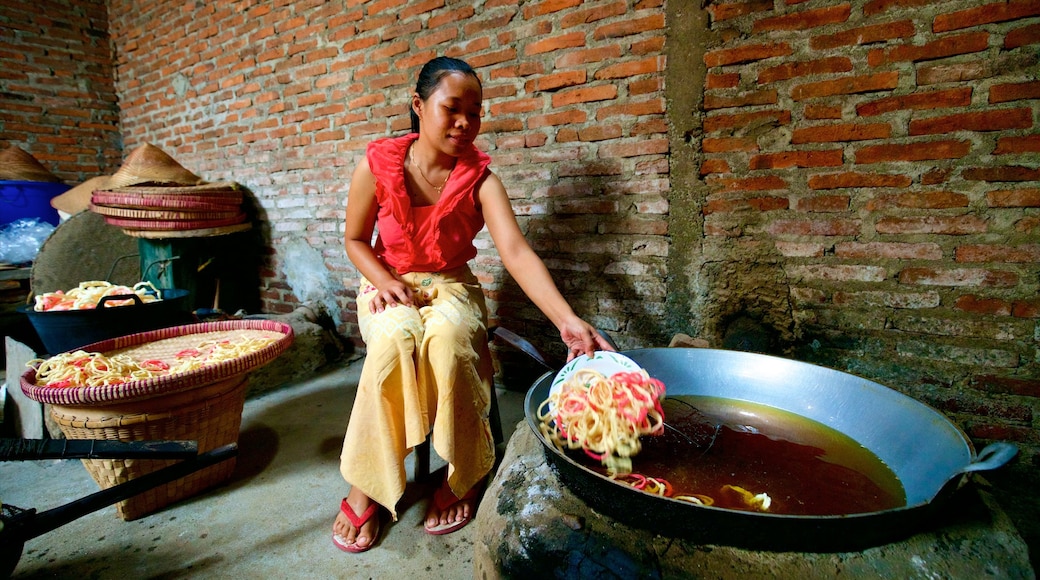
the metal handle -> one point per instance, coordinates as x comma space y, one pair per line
992, 456
113, 297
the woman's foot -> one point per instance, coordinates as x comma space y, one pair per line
357, 524
448, 513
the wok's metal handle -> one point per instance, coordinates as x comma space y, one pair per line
992, 456
522, 344
114, 297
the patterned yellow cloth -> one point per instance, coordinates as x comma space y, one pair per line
426, 364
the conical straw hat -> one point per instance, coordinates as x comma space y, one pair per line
17, 165
77, 199
149, 164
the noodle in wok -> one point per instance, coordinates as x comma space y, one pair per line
604, 416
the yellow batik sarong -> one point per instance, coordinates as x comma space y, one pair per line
426, 364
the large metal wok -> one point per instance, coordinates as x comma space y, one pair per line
930, 455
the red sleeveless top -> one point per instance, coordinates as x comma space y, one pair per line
427, 238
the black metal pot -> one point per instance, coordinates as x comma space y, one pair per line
930, 455
65, 330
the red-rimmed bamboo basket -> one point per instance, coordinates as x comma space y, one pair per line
203, 405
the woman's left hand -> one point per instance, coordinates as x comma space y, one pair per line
582, 338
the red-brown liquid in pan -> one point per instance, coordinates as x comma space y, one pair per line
805, 467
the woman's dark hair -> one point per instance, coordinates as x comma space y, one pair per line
430, 76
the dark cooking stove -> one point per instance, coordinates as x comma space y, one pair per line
530, 522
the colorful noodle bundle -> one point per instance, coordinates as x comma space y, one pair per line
91, 369
87, 295
605, 417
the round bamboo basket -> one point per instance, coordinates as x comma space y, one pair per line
210, 415
203, 405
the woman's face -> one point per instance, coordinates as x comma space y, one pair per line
450, 116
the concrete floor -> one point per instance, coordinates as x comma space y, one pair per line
273, 519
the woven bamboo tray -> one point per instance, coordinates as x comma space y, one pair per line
203, 405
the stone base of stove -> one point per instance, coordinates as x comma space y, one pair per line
530, 523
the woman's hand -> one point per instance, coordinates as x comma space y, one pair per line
390, 294
582, 338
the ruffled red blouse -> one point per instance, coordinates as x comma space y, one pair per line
426, 238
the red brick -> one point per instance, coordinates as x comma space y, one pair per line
846, 86
842, 132
1007, 385
987, 306
993, 120
888, 250
555, 119
822, 204
714, 166
632, 68
986, 14
630, 109
873, 7
717, 122
1001, 173
721, 81
816, 111
748, 53
981, 67
944, 47
1006, 254
557, 80
584, 95
959, 97
562, 41
920, 151
1003, 93
833, 64
831, 158
804, 20
1014, 198
766, 182
600, 133
958, 277
1026, 308
814, 227
728, 144
943, 225
633, 149
864, 35
548, 7
571, 58
721, 11
630, 27
857, 180
578, 17
919, 200
756, 203
1017, 145
748, 99
1023, 36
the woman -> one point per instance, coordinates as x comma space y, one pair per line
421, 311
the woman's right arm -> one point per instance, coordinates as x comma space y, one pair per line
360, 224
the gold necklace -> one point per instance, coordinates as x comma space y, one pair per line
411, 155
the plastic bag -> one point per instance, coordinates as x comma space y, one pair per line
21, 239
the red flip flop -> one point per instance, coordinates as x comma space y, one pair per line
444, 498
357, 522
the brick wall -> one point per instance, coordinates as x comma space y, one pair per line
880, 158
57, 93
284, 98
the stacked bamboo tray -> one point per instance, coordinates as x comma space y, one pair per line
172, 211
